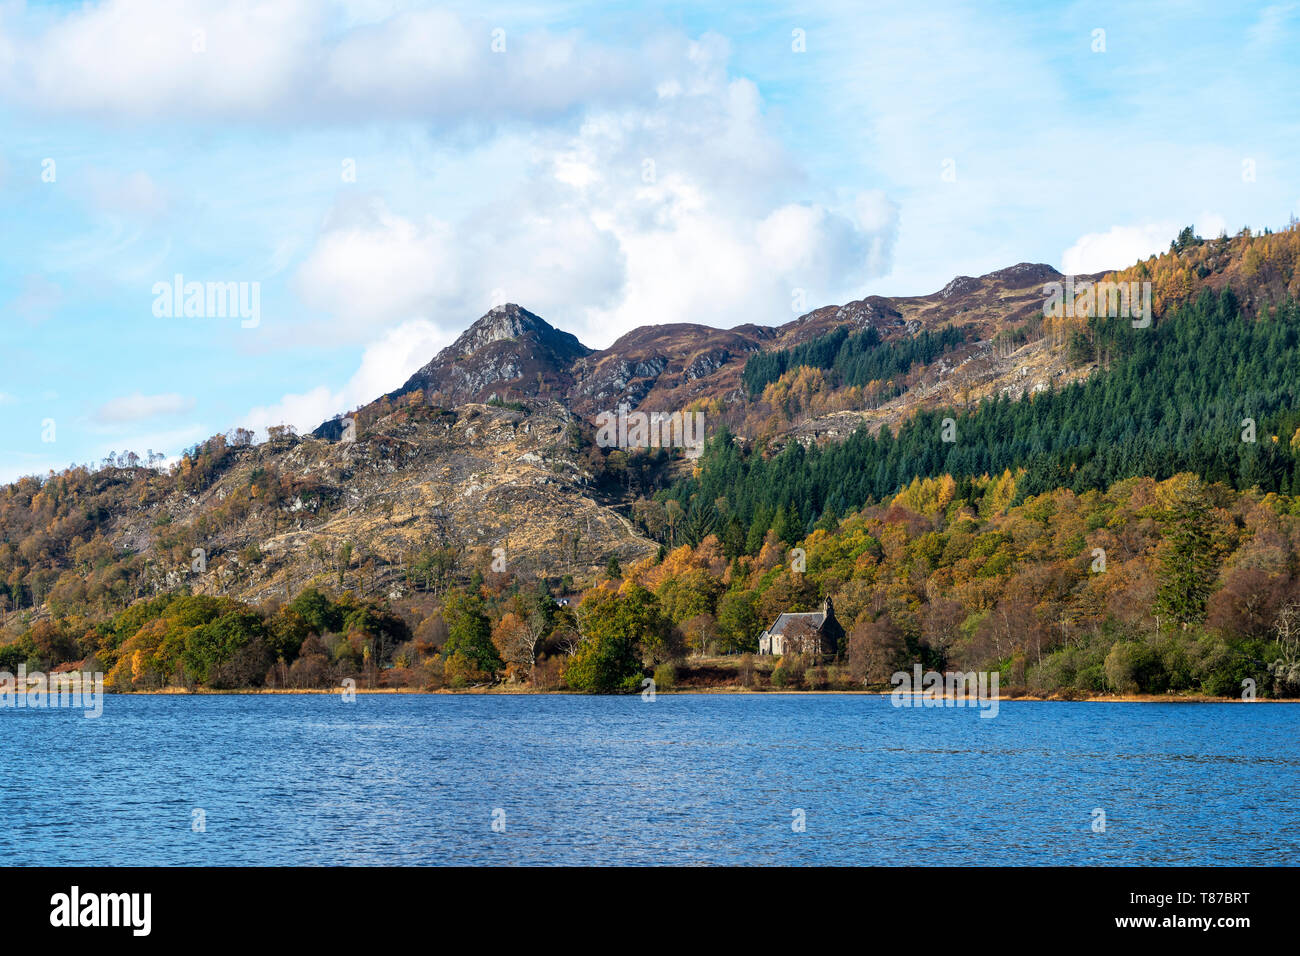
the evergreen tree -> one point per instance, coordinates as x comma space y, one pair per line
469, 636
1189, 557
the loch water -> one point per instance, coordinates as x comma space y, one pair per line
683, 779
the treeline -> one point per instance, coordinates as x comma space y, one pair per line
1261, 265
853, 359
1207, 391
1154, 587
1178, 586
468, 637
185, 640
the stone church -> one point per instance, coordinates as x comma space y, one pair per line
812, 632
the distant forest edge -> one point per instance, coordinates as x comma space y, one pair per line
856, 359
1155, 587
1177, 397
1134, 530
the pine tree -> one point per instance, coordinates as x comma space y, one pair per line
1189, 557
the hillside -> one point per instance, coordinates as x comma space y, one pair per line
273, 518
482, 476
435, 470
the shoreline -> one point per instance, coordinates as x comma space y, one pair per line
691, 691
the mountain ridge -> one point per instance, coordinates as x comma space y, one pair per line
419, 481
511, 353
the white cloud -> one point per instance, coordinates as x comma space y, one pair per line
665, 196
303, 410
388, 363
433, 63
385, 365
689, 211
188, 58
133, 194
139, 407
292, 62
813, 244
371, 267
1118, 248
706, 209
1122, 246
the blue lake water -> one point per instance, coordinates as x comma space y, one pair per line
688, 779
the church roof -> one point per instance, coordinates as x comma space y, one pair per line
813, 618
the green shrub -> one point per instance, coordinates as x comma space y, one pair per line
1091, 678
789, 672
666, 676
1133, 667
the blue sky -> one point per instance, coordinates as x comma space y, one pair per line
385, 172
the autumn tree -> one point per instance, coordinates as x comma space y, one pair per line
876, 649
618, 631
941, 626
521, 632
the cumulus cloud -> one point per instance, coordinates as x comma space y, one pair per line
705, 206
290, 62
1118, 248
145, 59
384, 366
139, 407
664, 196
371, 267
815, 245
649, 185
686, 211
1122, 246
433, 63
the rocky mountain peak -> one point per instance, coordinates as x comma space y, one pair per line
502, 323
508, 352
